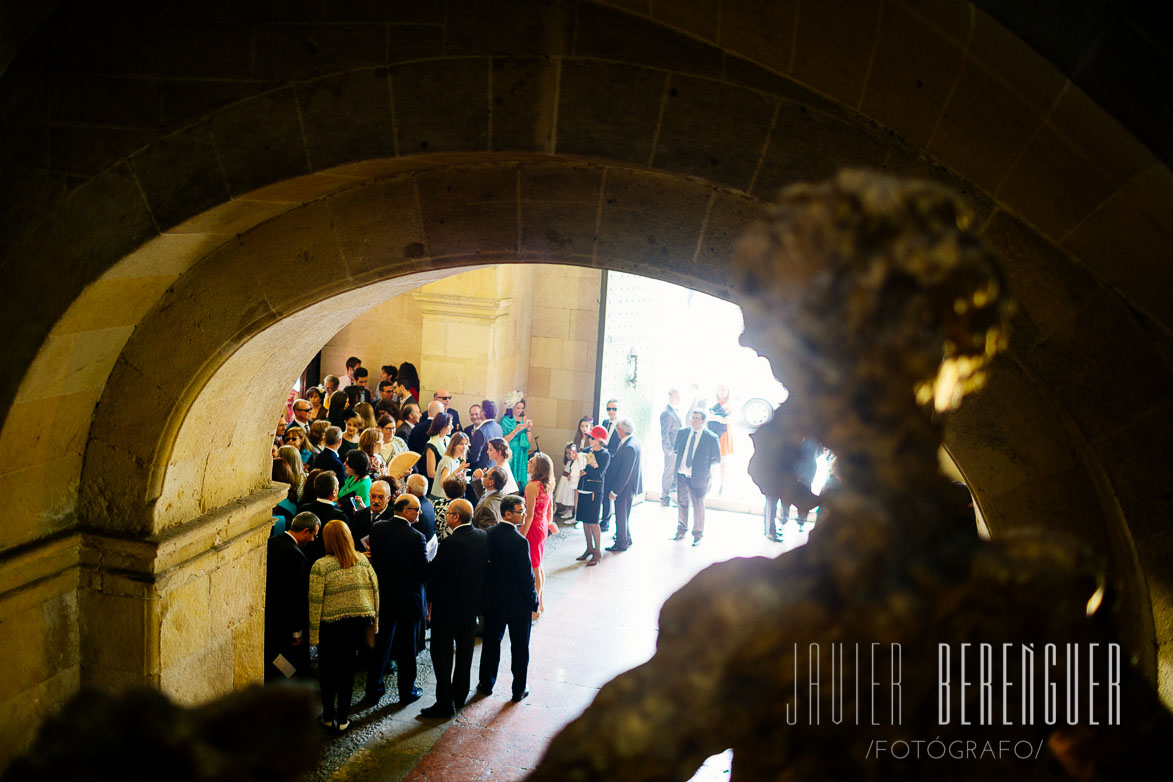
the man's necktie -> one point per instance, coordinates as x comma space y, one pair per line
692, 438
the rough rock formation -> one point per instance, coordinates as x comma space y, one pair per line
255, 734
879, 308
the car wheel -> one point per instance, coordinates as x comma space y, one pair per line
756, 412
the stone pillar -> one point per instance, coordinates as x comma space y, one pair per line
183, 610
475, 334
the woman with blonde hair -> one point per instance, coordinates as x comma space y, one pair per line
369, 442
539, 517
367, 412
292, 457
344, 609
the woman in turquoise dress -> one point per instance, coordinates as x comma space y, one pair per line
516, 430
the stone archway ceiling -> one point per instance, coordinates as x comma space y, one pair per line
691, 89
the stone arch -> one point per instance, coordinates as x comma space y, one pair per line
141, 167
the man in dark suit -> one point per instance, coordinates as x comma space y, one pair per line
613, 438
455, 581
444, 397
418, 439
417, 485
364, 518
669, 426
510, 599
623, 482
399, 556
697, 450
329, 459
287, 583
325, 507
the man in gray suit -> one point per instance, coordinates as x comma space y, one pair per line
488, 510
669, 426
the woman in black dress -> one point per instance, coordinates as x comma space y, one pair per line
590, 494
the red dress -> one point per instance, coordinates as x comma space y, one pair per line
537, 531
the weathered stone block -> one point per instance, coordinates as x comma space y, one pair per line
204, 675
238, 587
441, 105
523, 103
1055, 185
509, 28
185, 623
387, 232
115, 632
180, 175
469, 210
712, 130
260, 141
965, 139
347, 117
302, 51
248, 650
608, 110
651, 217
760, 31
613, 35
848, 29
809, 146
913, 69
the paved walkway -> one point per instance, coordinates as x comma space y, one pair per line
599, 622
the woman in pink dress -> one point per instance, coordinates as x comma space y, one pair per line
539, 516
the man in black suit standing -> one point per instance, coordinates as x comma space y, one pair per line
418, 439
399, 556
697, 450
287, 585
455, 581
510, 599
329, 459
325, 507
623, 482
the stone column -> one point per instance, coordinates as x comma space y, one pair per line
182, 610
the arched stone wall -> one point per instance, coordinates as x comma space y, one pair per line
170, 169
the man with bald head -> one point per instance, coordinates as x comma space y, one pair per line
444, 397
418, 440
455, 579
417, 486
399, 555
360, 526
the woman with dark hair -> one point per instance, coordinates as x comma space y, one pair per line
309, 493
517, 428
283, 473
358, 479
313, 395
590, 494
438, 434
296, 438
573, 462
344, 604
409, 378
338, 411
393, 445
499, 456
539, 518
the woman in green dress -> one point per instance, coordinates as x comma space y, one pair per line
516, 429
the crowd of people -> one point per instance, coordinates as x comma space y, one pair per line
400, 517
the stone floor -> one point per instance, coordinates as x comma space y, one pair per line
598, 622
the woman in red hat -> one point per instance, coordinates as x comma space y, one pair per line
590, 494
